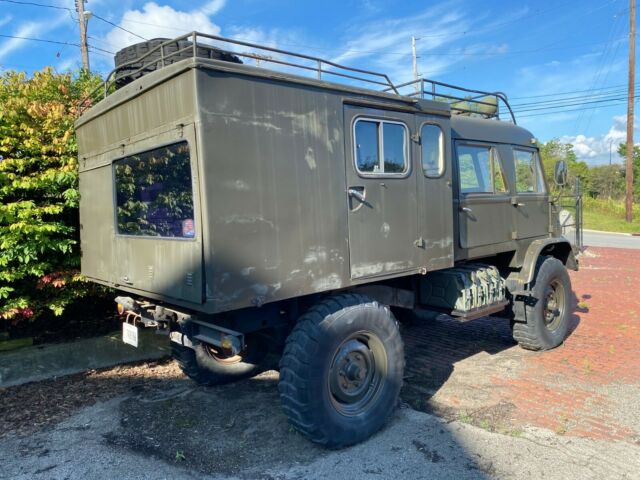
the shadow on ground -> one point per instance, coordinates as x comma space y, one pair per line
240, 430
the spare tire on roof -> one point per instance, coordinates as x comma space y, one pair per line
127, 72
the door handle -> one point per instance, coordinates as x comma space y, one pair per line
358, 195
518, 204
466, 209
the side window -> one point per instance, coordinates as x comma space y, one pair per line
154, 196
480, 170
528, 173
432, 150
381, 147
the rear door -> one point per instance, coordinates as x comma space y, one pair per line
485, 214
381, 192
531, 198
158, 236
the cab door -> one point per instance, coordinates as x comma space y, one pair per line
485, 214
531, 201
380, 192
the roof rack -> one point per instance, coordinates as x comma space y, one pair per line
462, 100
283, 58
485, 104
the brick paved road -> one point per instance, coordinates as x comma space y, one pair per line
588, 387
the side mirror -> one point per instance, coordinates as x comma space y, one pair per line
560, 173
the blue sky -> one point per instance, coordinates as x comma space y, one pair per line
550, 58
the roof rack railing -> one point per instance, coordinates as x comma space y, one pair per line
462, 100
318, 65
485, 104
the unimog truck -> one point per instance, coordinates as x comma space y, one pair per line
250, 202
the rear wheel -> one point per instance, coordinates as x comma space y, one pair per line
542, 321
209, 365
341, 372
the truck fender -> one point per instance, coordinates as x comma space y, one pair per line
558, 247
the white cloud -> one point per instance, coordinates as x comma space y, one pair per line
29, 29
213, 7
595, 150
162, 21
445, 24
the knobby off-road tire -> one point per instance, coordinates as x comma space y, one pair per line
128, 73
543, 323
206, 365
341, 371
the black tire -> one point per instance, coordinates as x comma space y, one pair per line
341, 371
543, 321
128, 73
205, 365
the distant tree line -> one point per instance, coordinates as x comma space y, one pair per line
599, 181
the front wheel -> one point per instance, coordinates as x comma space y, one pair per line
542, 321
341, 372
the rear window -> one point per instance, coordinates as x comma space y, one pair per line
154, 195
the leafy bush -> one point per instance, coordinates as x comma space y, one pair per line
39, 248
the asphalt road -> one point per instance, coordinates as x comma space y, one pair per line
613, 240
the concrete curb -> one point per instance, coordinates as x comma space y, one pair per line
609, 233
48, 361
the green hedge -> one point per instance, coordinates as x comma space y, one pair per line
39, 248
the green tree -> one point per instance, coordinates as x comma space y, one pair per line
554, 150
606, 181
39, 251
622, 151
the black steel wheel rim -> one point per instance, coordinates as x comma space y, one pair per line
554, 304
357, 373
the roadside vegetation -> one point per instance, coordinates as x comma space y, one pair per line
608, 215
603, 186
39, 245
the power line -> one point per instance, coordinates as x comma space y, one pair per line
118, 26
43, 40
565, 92
569, 110
618, 91
571, 104
34, 4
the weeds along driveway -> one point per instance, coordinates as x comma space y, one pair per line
499, 411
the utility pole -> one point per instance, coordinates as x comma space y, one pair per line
84, 49
415, 63
630, 101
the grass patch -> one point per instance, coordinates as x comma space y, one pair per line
608, 215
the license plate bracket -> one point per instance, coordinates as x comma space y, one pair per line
130, 334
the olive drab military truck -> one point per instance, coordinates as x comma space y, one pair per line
246, 201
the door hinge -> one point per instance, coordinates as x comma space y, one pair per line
514, 235
416, 138
420, 243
